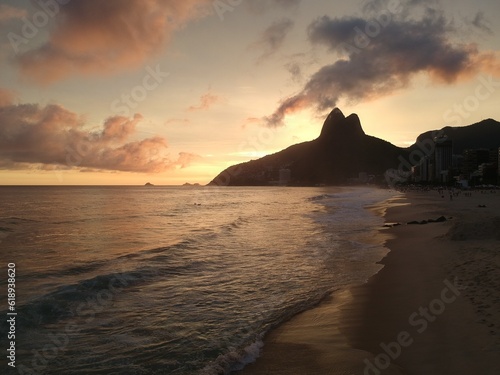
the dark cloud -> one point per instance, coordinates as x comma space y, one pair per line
273, 37
295, 70
49, 137
481, 23
382, 52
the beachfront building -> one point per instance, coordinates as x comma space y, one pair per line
443, 159
423, 171
472, 160
481, 166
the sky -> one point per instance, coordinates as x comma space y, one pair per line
126, 92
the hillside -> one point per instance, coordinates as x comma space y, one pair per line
340, 153
343, 151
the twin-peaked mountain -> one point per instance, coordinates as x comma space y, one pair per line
341, 153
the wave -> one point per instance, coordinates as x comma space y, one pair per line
322, 197
234, 359
235, 224
17, 220
66, 300
69, 271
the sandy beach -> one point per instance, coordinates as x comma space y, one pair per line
432, 309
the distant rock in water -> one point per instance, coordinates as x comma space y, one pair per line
148, 184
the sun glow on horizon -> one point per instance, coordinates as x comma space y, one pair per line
168, 104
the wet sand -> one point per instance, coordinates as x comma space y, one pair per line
433, 309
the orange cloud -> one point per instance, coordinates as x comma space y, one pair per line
31, 135
100, 37
206, 102
6, 97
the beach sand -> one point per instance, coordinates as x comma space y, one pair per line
434, 308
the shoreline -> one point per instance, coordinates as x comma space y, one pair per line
311, 342
428, 290
432, 308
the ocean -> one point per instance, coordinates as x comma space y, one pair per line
172, 280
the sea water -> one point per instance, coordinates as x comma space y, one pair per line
172, 280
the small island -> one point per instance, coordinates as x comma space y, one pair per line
148, 184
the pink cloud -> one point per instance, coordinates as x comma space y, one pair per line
33, 136
6, 97
206, 102
101, 37
119, 128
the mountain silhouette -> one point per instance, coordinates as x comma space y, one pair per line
343, 151
484, 134
340, 152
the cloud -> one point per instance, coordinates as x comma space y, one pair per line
186, 158
8, 12
481, 23
263, 6
378, 55
273, 37
100, 37
54, 137
206, 102
6, 97
295, 70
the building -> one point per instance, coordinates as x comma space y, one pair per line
473, 159
421, 172
443, 159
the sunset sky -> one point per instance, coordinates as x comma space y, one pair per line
171, 91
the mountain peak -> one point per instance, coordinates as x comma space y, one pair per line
335, 114
338, 126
